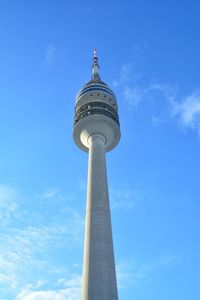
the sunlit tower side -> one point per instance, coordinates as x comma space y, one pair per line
97, 131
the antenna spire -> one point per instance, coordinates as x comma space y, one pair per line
95, 66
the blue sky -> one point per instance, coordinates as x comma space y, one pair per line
149, 55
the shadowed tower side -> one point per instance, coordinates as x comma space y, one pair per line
96, 130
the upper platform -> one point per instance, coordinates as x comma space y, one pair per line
97, 85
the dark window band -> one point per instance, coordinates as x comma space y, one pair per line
97, 111
97, 105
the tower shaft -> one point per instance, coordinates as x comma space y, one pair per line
97, 131
99, 277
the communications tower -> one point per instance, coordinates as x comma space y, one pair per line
97, 131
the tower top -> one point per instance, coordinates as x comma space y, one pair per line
96, 112
95, 67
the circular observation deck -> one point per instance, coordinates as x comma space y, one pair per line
96, 111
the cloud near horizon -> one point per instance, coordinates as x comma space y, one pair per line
28, 244
70, 290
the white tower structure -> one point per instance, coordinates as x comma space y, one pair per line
96, 130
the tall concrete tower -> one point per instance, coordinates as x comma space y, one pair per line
96, 130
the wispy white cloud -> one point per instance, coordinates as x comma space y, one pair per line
133, 96
73, 281
132, 93
167, 91
125, 198
7, 195
9, 206
131, 274
128, 275
127, 73
135, 92
185, 109
70, 290
28, 244
63, 294
22, 247
22, 251
188, 111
